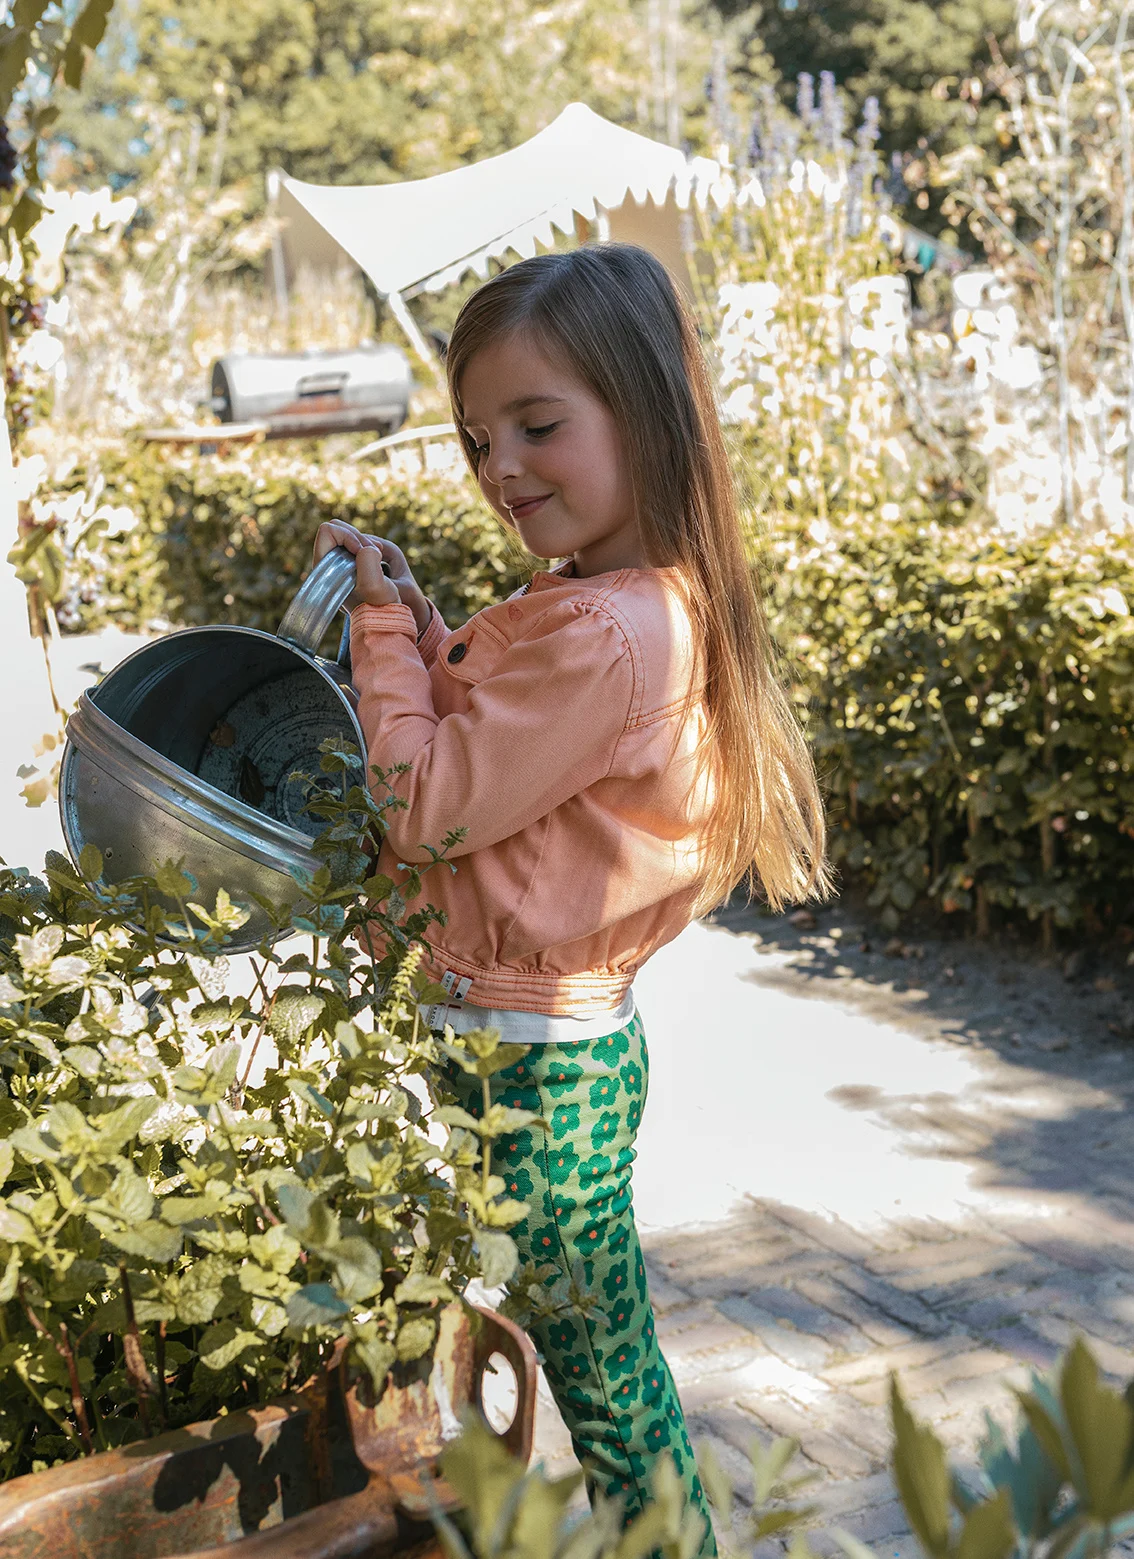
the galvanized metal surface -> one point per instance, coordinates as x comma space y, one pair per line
316, 1476
187, 749
300, 394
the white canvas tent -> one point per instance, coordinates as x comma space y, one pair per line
423, 234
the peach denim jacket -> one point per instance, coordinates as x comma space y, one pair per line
555, 727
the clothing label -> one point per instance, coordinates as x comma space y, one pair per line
457, 986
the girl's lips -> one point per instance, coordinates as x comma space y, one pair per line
525, 506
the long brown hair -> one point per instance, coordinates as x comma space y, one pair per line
611, 314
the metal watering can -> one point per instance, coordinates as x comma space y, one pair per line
185, 752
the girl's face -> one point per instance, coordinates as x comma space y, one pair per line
550, 460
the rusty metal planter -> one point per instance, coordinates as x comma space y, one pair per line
317, 1475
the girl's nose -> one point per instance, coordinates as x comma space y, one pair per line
502, 463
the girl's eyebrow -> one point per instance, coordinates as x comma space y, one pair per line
534, 400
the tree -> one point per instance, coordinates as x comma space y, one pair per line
353, 91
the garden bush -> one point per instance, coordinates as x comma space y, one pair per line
179, 1239
971, 703
228, 540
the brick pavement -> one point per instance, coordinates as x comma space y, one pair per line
783, 1322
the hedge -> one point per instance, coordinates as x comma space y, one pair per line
972, 707
970, 698
228, 540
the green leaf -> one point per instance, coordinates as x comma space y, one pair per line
1101, 1426
921, 1474
377, 1358
498, 1257
7, 1159
90, 863
358, 1268
131, 1197
223, 1344
200, 1290
173, 880
84, 1060
87, 33
317, 1304
153, 1240
421, 1289
11, 1278
769, 1464
415, 1338
988, 1531
294, 1012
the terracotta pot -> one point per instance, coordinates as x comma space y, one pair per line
317, 1475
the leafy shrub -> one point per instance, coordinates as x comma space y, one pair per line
228, 540
176, 1241
972, 706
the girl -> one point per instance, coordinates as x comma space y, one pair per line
615, 741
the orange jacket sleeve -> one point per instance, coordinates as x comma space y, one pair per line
542, 724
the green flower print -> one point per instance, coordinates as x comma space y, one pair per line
519, 1184
564, 1120
631, 1075
619, 1202
562, 1334
620, 1316
604, 1130
640, 1277
619, 1242
562, 1079
616, 1280
623, 1361
604, 1091
574, 1366
589, 1238
544, 1243
558, 1206
626, 1394
594, 1171
516, 1148
607, 1051
653, 1384
634, 1114
561, 1164
657, 1435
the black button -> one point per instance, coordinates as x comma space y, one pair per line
458, 652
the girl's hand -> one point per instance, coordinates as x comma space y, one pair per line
384, 576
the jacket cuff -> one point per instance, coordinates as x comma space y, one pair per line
433, 636
394, 618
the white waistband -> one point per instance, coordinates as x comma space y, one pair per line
530, 1028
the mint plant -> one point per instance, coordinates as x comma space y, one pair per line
175, 1240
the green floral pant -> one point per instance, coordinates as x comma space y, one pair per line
608, 1376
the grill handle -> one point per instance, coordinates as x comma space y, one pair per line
318, 601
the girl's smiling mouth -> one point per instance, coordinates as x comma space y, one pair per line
520, 508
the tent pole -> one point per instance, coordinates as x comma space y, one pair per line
406, 320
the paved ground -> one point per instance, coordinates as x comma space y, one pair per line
899, 1168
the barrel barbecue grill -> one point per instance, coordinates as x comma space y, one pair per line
308, 394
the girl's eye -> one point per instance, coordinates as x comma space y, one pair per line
542, 432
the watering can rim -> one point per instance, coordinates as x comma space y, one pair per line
219, 816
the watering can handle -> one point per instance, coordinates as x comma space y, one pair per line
318, 601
